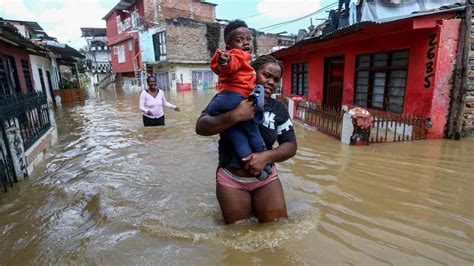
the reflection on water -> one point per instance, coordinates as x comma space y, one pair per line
114, 192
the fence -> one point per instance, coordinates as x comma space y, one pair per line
30, 114
7, 175
388, 127
70, 95
325, 119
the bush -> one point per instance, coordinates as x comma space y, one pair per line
68, 84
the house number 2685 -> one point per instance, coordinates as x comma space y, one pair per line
430, 56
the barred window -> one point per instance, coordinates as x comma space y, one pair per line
380, 80
299, 84
159, 44
25, 67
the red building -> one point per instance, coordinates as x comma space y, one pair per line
402, 66
15, 67
129, 17
122, 37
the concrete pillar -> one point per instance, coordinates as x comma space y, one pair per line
356, 127
347, 129
16, 147
291, 108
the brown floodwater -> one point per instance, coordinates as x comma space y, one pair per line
114, 192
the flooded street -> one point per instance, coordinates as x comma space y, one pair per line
114, 192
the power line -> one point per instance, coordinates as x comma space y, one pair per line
256, 15
274, 26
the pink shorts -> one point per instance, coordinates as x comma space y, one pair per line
227, 179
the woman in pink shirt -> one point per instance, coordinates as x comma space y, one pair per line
151, 104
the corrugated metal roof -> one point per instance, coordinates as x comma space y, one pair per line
67, 53
93, 32
358, 26
10, 33
121, 5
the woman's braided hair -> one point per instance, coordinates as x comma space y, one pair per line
265, 59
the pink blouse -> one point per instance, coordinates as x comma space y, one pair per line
154, 104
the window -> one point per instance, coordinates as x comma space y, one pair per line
119, 24
25, 67
126, 24
43, 86
380, 80
9, 82
299, 74
5, 82
121, 54
135, 19
159, 44
130, 45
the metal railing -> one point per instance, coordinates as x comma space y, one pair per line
388, 127
107, 80
325, 119
31, 112
7, 175
98, 66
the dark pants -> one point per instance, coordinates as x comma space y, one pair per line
245, 136
151, 122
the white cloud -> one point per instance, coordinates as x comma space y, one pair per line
61, 19
284, 9
15, 9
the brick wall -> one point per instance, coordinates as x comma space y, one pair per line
186, 40
167, 9
266, 41
469, 108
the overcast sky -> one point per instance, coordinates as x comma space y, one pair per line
64, 18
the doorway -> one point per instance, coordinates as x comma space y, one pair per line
333, 82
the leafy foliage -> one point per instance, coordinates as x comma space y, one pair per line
213, 34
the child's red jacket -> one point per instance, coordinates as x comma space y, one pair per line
237, 75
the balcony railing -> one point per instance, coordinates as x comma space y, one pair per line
98, 66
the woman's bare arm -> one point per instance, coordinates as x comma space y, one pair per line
255, 162
207, 125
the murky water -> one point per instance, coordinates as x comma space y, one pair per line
113, 192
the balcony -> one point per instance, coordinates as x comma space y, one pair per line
98, 66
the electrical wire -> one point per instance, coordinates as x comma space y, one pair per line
274, 26
256, 15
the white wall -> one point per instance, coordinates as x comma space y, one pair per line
55, 74
38, 62
146, 44
183, 72
100, 55
130, 84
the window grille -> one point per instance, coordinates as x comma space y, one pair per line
159, 44
25, 67
380, 80
299, 84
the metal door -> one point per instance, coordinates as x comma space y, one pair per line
333, 82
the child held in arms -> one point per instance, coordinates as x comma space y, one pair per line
236, 83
